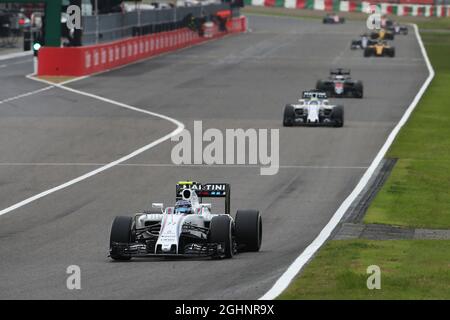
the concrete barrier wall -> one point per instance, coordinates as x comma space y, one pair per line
80, 61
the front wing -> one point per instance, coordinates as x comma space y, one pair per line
140, 251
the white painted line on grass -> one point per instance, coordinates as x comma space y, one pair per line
283, 282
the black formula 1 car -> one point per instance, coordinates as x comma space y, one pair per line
189, 228
380, 49
340, 84
332, 18
313, 109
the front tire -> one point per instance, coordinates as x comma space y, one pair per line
289, 116
338, 116
248, 230
222, 231
121, 233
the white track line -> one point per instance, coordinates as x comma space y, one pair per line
93, 164
16, 55
180, 127
15, 63
27, 94
283, 282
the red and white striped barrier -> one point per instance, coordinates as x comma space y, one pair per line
81, 61
424, 8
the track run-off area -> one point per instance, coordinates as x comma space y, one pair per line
114, 129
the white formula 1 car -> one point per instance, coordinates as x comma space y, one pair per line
313, 110
187, 229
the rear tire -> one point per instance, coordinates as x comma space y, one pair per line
338, 116
289, 116
358, 90
248, 230
367, 52
121, 232
222, 231
392, 53
319, 85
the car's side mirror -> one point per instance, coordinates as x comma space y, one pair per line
159, 206
206, 205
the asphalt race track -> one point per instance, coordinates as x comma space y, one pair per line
242, 81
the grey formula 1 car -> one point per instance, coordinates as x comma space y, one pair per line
362, 43
340, 84
187, 229
313, 110
332, 18
395, 27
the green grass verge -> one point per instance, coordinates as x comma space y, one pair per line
417, 193
412, 269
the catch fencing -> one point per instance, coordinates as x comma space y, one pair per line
115, 26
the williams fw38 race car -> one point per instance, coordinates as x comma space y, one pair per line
380, 49
332, 18
362, 43
313, 110
340, 84
188, 228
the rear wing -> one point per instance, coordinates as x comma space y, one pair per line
340, 71
314, 94
206, 190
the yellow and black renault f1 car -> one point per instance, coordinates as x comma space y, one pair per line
380, 49
382, 34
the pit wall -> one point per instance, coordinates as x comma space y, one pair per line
402, 9
86, 60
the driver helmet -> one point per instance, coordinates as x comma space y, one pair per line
183, 207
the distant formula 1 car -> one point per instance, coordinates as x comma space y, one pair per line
362, 43
382, 34
396, 28
187, 229
313, 110
380, 49
332, 18
340, 84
